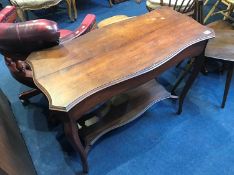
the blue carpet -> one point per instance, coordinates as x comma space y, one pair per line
200, 141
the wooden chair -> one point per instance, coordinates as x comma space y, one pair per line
189, 7
221, 48
34, 35
24, 5
226, 12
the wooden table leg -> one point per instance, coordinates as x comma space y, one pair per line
71, 132
227, 84
182, 75
198, 63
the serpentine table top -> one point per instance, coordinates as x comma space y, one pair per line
69, 73
115, 59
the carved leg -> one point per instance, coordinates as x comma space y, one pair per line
198, 63
71, 131
227, 84
24, 96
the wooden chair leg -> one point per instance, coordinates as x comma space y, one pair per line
229, 11
227, 84
74, 9
69, 9
210, 13
206, 2
22, 14
24, 97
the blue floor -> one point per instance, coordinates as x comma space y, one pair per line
200, 141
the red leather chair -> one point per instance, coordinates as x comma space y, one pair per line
18, 40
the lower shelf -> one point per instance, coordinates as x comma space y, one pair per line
138, 101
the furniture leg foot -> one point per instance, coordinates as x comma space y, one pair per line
24, 97
227, 84
71, 131
198, 63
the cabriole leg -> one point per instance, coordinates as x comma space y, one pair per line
71, 132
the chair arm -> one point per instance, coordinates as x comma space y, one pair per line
8, 14
88, 24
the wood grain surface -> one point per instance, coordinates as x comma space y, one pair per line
138, 101
69, 73
222, 46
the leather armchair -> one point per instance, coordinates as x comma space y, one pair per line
18, 40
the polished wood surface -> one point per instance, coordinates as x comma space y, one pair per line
69, 73
221, 25
222, 46
112, 20
138, 100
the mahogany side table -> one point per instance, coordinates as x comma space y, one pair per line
124, 57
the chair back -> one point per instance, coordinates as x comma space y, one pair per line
193, 8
